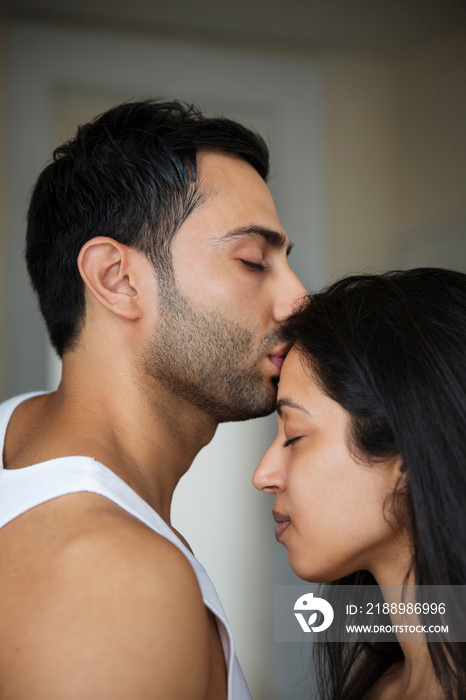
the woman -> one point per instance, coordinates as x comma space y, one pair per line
368, 468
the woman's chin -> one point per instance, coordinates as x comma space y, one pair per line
311, 572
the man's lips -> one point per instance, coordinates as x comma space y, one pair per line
277, 355
283, 522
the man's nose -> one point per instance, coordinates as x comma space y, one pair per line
292, 292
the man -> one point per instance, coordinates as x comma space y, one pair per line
160, 265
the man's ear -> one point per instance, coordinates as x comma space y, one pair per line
109, 272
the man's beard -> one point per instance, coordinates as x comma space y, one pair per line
210, 361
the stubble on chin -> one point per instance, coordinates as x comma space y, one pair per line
209, 361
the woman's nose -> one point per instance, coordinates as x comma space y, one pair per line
270, 475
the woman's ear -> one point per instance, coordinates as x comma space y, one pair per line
399, 470
109, 271
397, 482
395, 471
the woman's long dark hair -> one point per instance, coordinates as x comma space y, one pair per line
391, 350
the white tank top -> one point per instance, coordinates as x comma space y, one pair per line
22, 489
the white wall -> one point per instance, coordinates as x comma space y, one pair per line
359, 160
395, 157
431, 135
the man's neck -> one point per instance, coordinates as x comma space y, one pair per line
139, 430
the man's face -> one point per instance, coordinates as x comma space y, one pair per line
217, 342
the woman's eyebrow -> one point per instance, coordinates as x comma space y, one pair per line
291, 404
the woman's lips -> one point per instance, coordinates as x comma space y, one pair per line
280, 529
283, 522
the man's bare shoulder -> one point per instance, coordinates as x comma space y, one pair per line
97, 604
80, 525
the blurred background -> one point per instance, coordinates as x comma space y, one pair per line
364, 108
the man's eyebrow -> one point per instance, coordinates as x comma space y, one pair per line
289, 402
276, 239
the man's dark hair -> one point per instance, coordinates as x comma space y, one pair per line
130, 174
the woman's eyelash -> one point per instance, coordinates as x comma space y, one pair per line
253, 265
289, 442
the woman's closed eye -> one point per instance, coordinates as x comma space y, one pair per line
291, 441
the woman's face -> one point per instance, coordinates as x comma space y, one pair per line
331, 504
